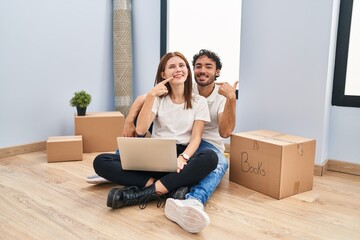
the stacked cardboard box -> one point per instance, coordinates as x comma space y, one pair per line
99, 130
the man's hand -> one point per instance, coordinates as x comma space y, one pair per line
227, 90
129, 130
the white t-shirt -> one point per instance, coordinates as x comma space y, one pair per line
174, 121
216, 104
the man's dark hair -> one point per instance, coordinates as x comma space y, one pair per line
213, 56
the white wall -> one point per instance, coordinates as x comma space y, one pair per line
48, 50
146, 44
344, 143
284, 68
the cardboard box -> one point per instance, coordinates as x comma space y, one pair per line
99, 130
272, 163
64, 148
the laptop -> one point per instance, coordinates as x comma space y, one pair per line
148, 154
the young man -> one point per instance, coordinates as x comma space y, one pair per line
221, 98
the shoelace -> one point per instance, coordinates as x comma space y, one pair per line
160, 197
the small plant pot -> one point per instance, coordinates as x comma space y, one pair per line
81, 111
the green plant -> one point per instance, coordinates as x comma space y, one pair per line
81, 99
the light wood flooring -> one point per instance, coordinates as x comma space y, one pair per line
40, 200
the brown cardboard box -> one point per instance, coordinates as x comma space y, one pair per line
64, 148
272, 163
99, 130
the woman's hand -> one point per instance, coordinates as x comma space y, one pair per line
181, 163
160, 89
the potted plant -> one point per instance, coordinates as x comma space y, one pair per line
80, 100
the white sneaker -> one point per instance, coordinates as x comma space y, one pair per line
96, 179
189, 214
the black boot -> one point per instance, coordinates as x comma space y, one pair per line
121, 197
179, 193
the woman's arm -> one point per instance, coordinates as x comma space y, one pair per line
195, 140
146, 115
193, 145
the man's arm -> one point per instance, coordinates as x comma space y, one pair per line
129, 125
228, 117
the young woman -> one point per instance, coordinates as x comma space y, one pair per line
175, 113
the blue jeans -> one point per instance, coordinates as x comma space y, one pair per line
205, 188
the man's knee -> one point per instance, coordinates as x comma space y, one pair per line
223, 162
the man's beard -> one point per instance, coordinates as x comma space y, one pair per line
204, 83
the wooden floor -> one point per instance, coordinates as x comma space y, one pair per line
40, 200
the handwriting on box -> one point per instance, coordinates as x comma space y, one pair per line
247, 167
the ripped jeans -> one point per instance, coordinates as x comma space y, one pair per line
203, 190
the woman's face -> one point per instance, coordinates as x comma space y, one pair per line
176, 68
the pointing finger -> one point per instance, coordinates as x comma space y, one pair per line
235, 84
167, 80
222, 83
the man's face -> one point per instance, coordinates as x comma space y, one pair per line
205, 71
